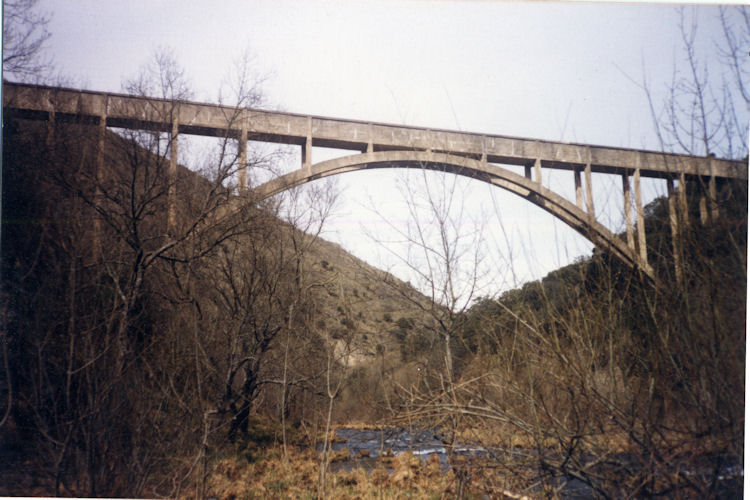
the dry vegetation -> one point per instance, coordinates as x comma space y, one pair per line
191, 326
142, 352
273, 477
165, 334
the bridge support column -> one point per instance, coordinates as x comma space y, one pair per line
627, 205
707, 206
682, 193
713, 206
50, 138
242, 159
172, 178
538, 171
370, 148
589, 190
703, 208
579, 189
675, 230
99, 176
307, 148
712, 200
640, 224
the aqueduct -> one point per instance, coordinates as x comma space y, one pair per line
479, 156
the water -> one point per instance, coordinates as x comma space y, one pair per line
367, 446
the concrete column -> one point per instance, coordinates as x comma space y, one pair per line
50, 138
627, 205
99, 176
370, 147
242, 159
713, 204
307, 148
640, 224
538, 171
589, 191
527, 171
703, 207
579, 189
172, 178
682, 193
674, 227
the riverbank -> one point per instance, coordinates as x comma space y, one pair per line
297, 476
396, 462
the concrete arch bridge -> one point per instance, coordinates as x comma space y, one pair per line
377, 145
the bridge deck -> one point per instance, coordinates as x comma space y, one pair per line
125, 111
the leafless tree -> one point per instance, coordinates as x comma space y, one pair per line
120, 243
443, 250
24, 36
597, 378
704, 108
594, 377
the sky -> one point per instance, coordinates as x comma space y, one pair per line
553, 71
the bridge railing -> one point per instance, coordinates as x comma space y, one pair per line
127, 111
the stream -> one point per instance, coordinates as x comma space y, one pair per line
366, 447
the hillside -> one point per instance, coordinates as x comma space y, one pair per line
363, 300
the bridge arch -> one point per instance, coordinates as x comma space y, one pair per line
496, 175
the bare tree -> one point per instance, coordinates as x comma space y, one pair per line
704, 108
123, 237
443, 251
24, 36
593, 378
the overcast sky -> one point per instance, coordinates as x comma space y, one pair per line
556, 71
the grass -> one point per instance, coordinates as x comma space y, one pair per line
271, 477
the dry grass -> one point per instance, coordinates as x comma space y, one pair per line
272, 477
613, 440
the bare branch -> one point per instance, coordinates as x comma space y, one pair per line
24, 36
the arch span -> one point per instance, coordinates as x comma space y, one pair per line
475, 169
